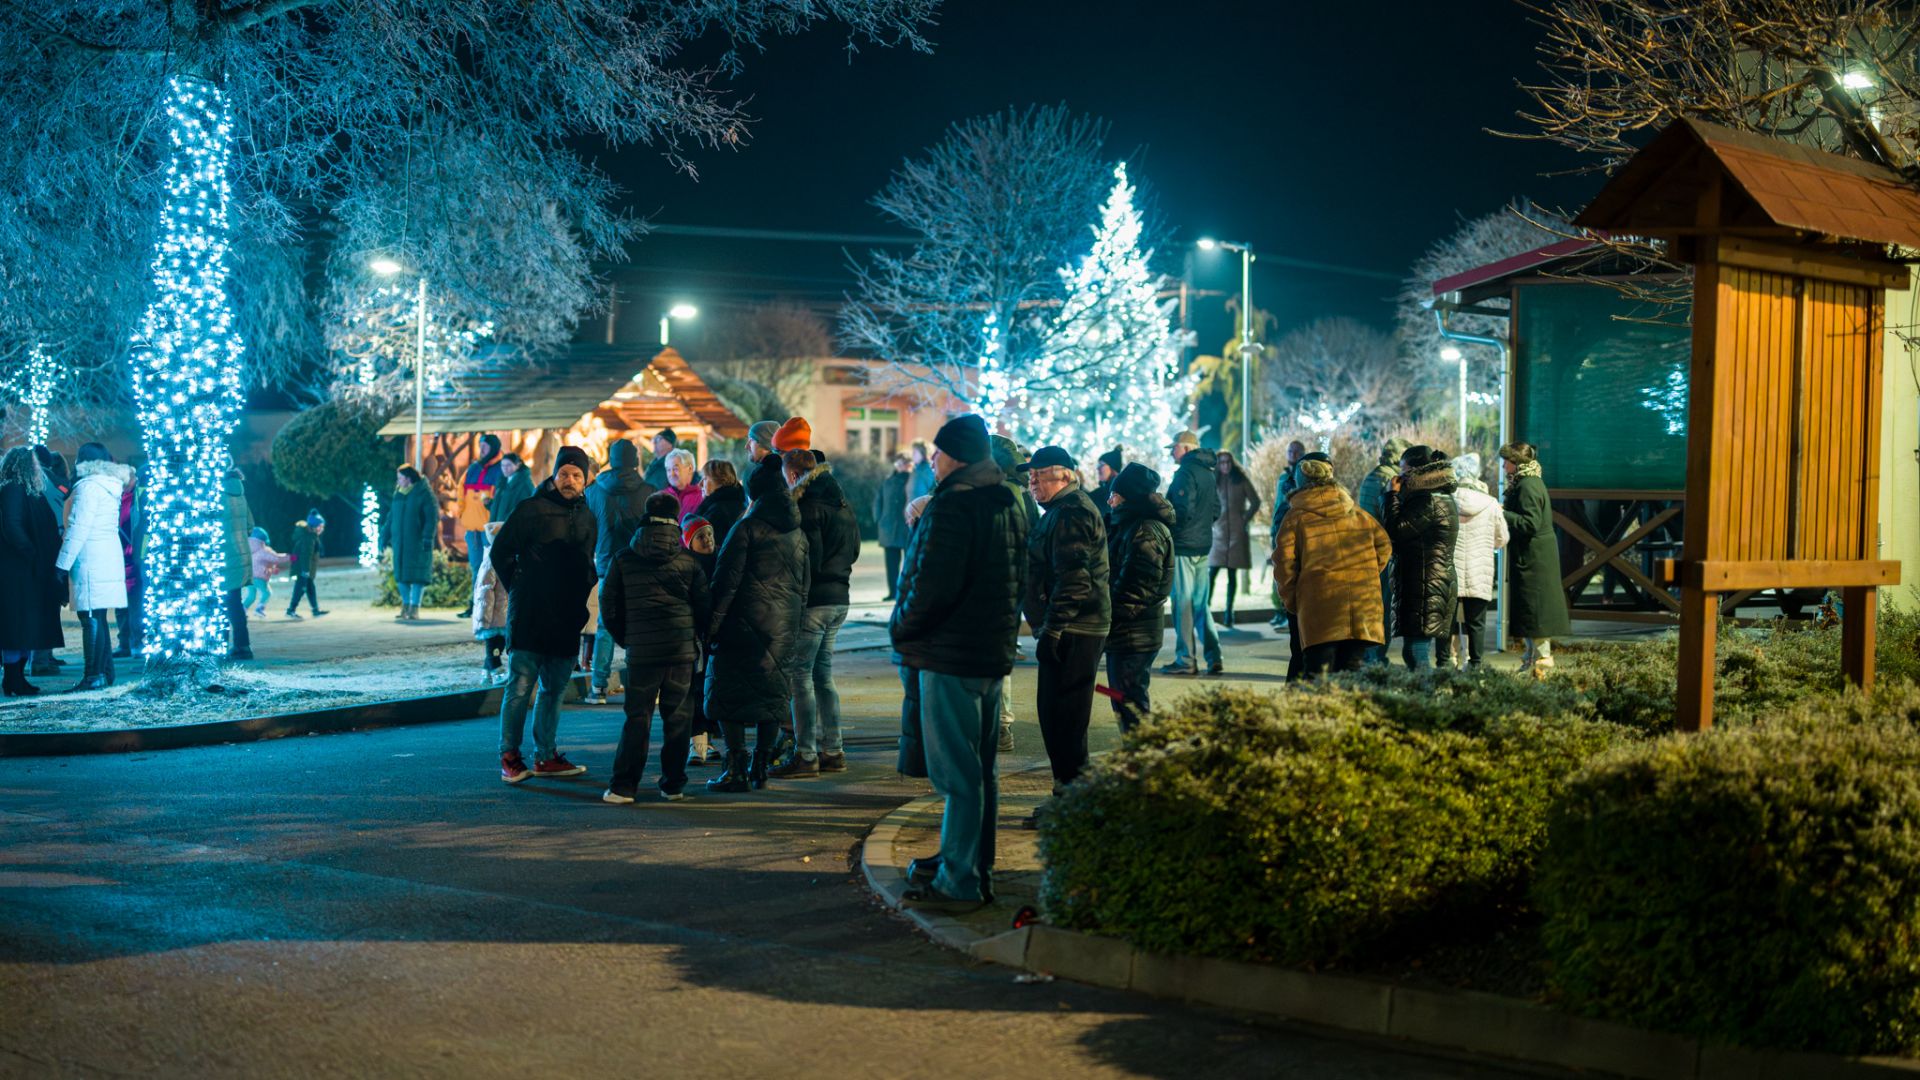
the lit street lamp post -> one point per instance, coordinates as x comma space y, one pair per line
1455, 355
1247, 347
388, 268
677, 311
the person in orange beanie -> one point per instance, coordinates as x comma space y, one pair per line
795, 434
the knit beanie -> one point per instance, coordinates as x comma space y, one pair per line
576, 457
1136, 481
964, 439
795, 434
763, 432
690, 527
314, 520
493, 441
1314, 473
259, 534
768, 479
1114, 459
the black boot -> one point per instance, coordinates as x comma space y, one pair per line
90, 677
761, 756
15, 684
734, 779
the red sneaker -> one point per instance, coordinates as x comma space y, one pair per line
513, 768
558, 765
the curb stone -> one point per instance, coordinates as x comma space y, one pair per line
1449, 1021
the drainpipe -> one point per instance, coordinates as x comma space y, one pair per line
1506, 436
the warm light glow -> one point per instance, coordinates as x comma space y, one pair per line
385, 267
1857, 80
1450, 354
1208, 243
683, 311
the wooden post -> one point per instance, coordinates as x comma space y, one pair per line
1861, 606
1699, 626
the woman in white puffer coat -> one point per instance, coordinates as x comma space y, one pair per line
92, 557
1483, 531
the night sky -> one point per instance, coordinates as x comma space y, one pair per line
1346, 133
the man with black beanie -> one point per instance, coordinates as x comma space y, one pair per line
1067, 606
1107, 471
955, 625
543, 555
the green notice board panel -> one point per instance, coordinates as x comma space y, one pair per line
1604, 400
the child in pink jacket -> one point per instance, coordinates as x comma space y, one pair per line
266, 563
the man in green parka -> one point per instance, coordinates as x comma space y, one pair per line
1539, 605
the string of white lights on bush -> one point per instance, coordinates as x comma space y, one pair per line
34, 386
186, 383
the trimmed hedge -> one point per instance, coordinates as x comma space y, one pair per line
1309, 827
451, 587
1758, 885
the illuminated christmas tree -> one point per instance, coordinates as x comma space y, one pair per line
186, 383
1112, 374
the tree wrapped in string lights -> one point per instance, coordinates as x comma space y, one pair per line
1112, 372
35, 384
187, 388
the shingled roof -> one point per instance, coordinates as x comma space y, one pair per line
630, 388
1777, 188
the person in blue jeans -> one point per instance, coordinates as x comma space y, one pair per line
833, 544
543, 554
1195, 497
955, 625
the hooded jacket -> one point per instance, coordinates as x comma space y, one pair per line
1194, 494
759, 602
91, 552
833, 536
1007, 455
961, 578
1422, 522
618, 499
1483, 531
544, 557
515, 490
1327, 559
413, 525
655, 601
304, 551
1067, 568
1140, 556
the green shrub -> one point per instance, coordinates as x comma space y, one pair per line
1305, 827
1760, 885
452, 584
334, 449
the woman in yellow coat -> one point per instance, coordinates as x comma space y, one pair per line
1327, 558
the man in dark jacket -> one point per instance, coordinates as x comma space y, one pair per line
1106, 471
663, 444
955, 624
517, 487
654, 600
543, 555
618, 499
833, 544
1140, 559
890, 518
1067, 605
1423, 522
1195, 497
759, 603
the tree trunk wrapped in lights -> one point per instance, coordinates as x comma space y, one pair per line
186, 382
35, 385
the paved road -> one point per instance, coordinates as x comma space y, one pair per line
380, 904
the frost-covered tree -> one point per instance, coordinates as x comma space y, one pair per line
1336, 375
775, 345
1516, 228
199, 138
997, 207
1111, 372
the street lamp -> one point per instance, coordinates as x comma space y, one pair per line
1247, 348
677, 311
388, 268
1454, 356
1857, 80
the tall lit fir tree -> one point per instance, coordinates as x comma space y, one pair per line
1112, 374
187, 387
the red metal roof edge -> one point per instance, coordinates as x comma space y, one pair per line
1513, 264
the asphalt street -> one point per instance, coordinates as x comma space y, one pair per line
380, 904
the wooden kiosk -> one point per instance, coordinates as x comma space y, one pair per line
1791, 254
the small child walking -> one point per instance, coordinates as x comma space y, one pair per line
305, 555
490, 613
657, 606
266, 563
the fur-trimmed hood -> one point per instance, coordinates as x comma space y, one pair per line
1434, 476
111, 469
820, 477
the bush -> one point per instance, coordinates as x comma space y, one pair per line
333, 449
452, 584
860, 476
1306, 827
1760, 885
